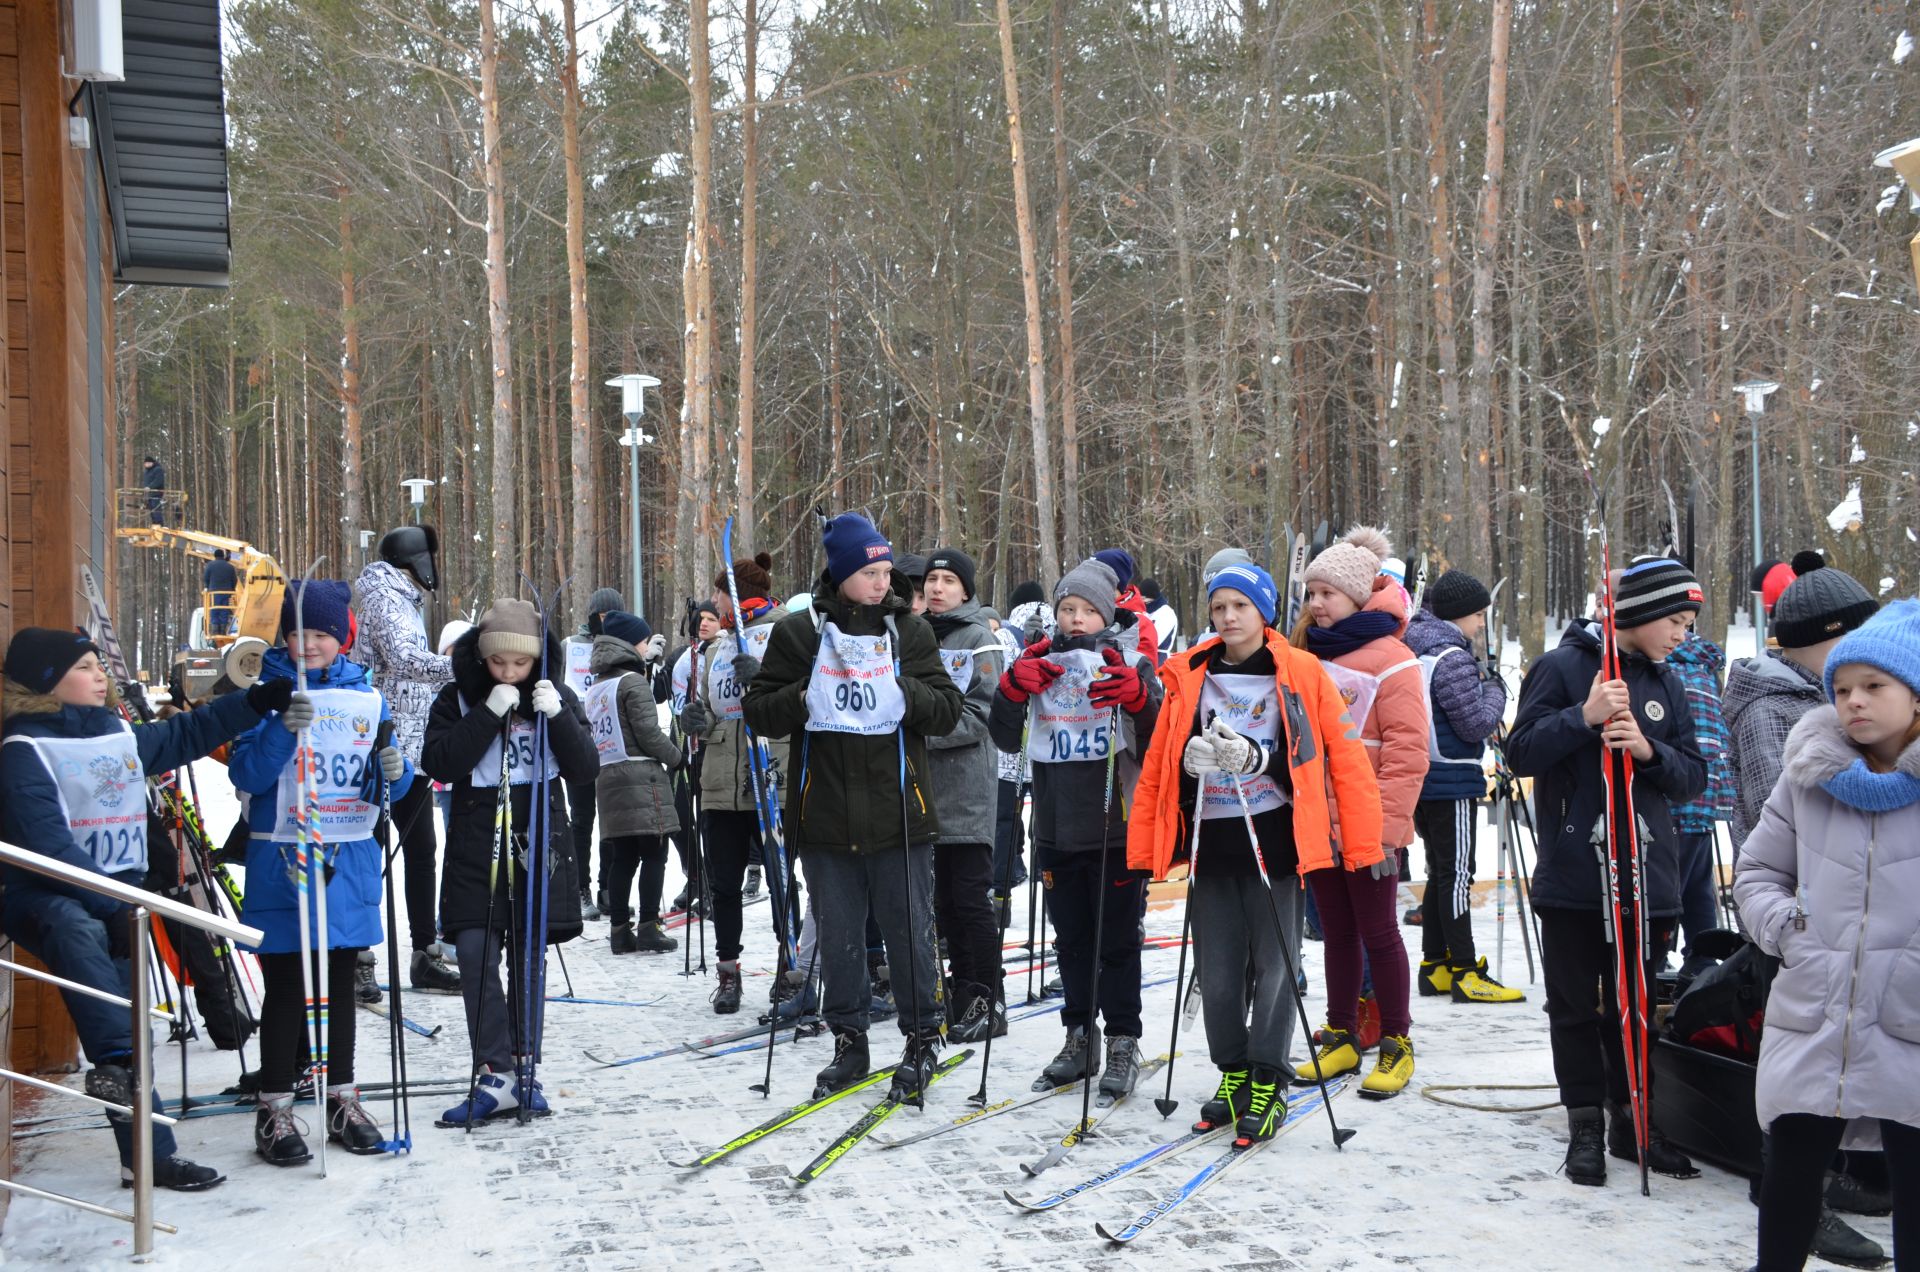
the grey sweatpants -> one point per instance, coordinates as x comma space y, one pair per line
1233, 930
490, 1031
842, 886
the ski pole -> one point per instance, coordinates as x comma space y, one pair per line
402, 1141
912, 950
1340, 1137
1100, 911
312, 863
997, 991
1167, 1104
502, 851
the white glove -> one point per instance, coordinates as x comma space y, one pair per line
299, 713
503, 700
1234, 753
655, 649
1199, 759
546, 699
392, 763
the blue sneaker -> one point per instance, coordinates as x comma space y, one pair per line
492, 1098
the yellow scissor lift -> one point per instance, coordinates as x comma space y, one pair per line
150, 519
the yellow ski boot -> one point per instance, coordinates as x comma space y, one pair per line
1339, 1052
1394, 1070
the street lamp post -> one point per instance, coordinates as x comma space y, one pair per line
417, 494
1754, 393
633, 388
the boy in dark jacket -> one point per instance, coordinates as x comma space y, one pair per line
1567, 714
856, 682
479, 735
1466, 708
73, 787
1094, 699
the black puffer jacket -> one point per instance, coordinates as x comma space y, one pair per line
844, 790
1552, 742
459, 731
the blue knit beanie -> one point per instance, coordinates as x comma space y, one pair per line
624, 626
1251, 581
852, 545
326, 605
1890, 640
1120, 561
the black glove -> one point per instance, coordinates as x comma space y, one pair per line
695, 721
120, 932
269, 696
745, 668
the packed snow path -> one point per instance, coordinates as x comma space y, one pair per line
1421, 1185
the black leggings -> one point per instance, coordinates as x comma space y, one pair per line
284, 1050
420, 851
1802, 1147
627, 854
963, 908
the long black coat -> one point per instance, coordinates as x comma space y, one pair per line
1552, 743
459, 731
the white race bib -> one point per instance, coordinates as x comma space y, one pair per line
344, 724
1359, 690
520, 766
853, 688
724, 689
1250, 706
103, 794
682, 675
603, 717
1066, 725
579, 665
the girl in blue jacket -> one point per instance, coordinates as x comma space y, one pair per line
349, 765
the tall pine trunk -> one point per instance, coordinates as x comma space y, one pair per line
743, 530
585, 494
1486, 249
499, 317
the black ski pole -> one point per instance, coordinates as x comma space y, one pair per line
1100, 890
782, 924
564, 973
1002, 899
912, 950
1340, 1137
1167, 1104
502, 853
402, 1141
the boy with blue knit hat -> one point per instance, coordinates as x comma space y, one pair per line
855, 681
1084, 705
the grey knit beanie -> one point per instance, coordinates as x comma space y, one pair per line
605, 600
1820, 605
1093, 582
1221, 560
510, 626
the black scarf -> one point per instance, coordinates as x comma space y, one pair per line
1355, 631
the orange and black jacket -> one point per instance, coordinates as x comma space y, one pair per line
1335, 801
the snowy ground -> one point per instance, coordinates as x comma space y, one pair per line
1420, 1186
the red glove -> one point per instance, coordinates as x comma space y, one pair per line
1120, 686
1031, 673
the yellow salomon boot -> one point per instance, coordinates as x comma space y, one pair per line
1339, 1053
1475, 986
1435, 979
1394, 1070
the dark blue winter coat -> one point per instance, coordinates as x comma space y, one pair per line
30, 810
1552, 743
259, 757
1465, 708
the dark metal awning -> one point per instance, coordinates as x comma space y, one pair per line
163, 146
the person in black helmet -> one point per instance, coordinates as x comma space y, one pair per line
390, 599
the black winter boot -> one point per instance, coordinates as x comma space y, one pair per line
348, 1123
651, 938
620, 939
726, 995
1662, 1157
1835, 1240
1121, 1071
1586, 1150
276, 1132
850, 1063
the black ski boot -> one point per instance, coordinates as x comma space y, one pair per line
366, 985
981, 1015
1079, 1058
348, 1123
1266, 1106
1853, 1196
850, 1063
1229, 1102
112, 1083
651, 938
276, 1132
1837, 1241
726, 995
177, 1174
1662, 1157
431, 974
1586, 1150
750, 889
917, 1062
1122, 1069
620, 939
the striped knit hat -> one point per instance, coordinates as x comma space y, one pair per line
1652, 589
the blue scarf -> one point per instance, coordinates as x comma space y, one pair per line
1355, 631
1858, 786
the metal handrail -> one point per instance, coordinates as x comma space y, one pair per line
144, 905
